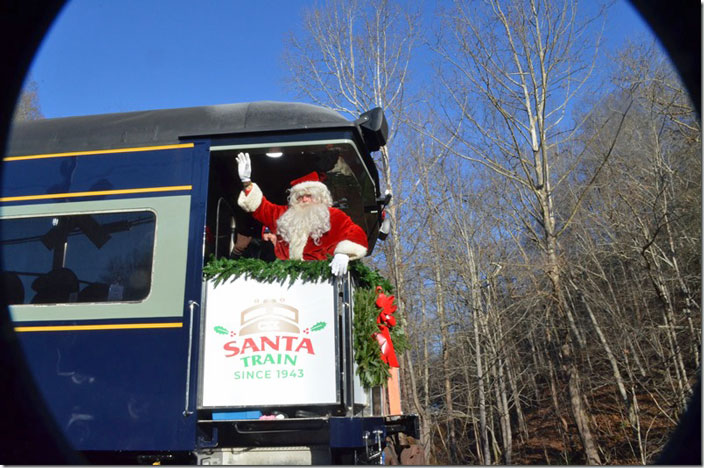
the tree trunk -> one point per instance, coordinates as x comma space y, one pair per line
612, 361
476, 327
497, 369
522, 426
580, 414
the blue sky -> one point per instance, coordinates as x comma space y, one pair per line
104, 56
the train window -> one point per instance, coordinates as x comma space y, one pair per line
98, 257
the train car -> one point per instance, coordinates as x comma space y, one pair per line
105, 224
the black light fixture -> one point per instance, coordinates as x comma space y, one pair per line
374, 127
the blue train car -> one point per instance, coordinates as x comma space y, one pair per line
105, 224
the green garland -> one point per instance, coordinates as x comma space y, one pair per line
371, 369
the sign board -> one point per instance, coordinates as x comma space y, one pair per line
269, 344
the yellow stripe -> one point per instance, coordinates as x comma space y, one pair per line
106, 151
95, 194
112, 326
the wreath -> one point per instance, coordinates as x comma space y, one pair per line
371, 368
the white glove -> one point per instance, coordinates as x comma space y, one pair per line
338, 266
244, 167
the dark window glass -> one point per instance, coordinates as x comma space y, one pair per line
101, 257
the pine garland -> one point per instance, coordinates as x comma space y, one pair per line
277, 271
371, 369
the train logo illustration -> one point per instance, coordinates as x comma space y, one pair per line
270, 317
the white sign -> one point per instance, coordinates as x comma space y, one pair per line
269, 344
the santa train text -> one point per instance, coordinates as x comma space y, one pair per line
107, 225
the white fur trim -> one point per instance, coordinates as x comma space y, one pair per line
352, 249
251, 201
319, 191
303, 186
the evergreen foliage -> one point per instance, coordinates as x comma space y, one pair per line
371, 369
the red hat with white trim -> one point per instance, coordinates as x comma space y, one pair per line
311, 183
310, 177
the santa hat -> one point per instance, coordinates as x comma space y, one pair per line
311, 183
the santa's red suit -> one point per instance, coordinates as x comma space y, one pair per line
344, 236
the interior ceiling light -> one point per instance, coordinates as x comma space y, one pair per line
275, 154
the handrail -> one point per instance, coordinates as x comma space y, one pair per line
191, 305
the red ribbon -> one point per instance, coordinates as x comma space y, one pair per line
384, 320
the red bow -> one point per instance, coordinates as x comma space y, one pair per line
384, 320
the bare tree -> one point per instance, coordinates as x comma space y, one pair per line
28, 107
546, 249
512, 72
631, 238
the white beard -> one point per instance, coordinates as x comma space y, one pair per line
300, 222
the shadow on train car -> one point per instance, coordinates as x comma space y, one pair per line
28, 433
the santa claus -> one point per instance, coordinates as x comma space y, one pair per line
308, 228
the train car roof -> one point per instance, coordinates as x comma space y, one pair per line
165, 126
